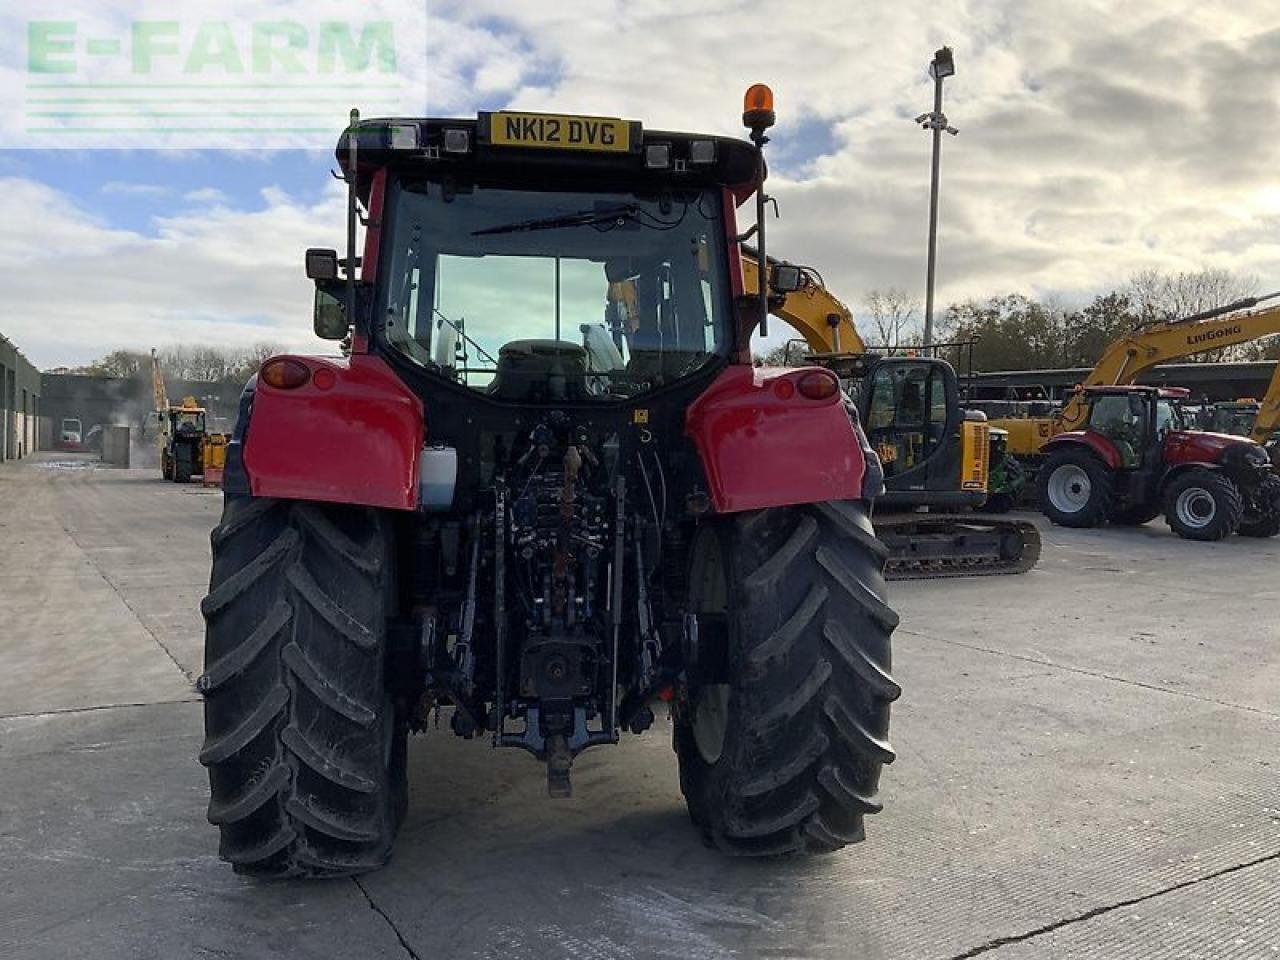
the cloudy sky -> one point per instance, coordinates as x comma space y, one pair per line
1097, 139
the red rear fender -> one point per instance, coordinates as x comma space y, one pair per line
352, 433
1090, 440
763, 444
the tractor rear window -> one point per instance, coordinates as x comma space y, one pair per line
546, 296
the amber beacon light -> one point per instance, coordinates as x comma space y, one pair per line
757, 107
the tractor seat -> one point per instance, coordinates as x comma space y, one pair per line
539, 371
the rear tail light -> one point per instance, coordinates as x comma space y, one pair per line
285, 373
818, 385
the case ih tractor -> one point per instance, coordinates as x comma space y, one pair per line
539, 507
1135, 458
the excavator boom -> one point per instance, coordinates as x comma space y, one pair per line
816, 313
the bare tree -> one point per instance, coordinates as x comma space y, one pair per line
1161, 297
895, 317
197, 362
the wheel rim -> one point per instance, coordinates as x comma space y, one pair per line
1196, 508
1070, 488
710, 703
711, 720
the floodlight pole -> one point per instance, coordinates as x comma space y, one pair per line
942, 67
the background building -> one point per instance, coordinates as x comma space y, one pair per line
20, 393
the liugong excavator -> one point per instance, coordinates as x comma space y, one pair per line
936, 456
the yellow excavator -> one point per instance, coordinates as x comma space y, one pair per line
936, 456
1130, 356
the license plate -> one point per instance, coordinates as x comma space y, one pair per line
559, 132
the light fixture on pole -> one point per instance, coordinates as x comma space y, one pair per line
942, 66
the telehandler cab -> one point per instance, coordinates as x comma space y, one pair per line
542, 508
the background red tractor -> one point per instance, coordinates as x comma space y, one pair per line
540, 507
1135, 457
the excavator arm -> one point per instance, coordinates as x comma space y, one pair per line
1267, 423
1130, 356
816, 314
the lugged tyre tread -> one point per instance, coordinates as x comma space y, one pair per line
775, 778
251, 800
253, 511
855, 734
843, 643
767, 575
789, 818
238, 659
326, 762
324, 688
303, 779
273, 844
830, 561
327, 822
328, 608
811, 684
218, 749
244, 579
845, 794
314, 519
781, 640
788, 707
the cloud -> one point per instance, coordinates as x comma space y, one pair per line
218, 276
206, 196
120, 188
1096, 139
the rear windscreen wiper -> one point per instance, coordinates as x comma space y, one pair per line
583, 218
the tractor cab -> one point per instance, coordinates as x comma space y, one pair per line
1235, 417
1134, 420
186, 421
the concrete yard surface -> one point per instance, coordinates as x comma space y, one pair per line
1088, 766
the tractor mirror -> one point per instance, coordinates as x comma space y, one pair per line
322, 264
330, 318
785, 278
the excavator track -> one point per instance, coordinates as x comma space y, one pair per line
928, 546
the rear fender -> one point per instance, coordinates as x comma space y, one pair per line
355, 440
1099, 445
763, 444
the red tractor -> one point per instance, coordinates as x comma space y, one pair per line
540, 506
1135, 458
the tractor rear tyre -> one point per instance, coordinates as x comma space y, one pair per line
305, 749
1203, 505
1264, 519
1075, 489
782, 752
